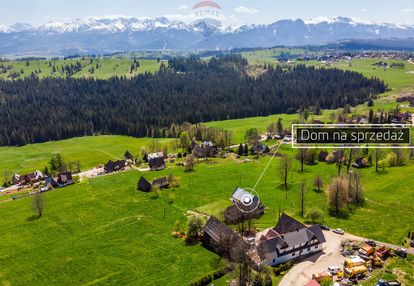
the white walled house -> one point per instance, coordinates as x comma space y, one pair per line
289, 240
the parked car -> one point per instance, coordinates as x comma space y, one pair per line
382, 282
346, 282
401, 252
371, 243
333, 269
325, 227
338, 231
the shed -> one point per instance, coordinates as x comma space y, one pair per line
65, 179
143, 185
162, 183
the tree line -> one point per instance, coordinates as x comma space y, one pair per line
186, 90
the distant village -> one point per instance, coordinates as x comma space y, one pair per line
331, 57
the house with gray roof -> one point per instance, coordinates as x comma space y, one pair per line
239, 211
289, 240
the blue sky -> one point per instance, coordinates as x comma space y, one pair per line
236, 11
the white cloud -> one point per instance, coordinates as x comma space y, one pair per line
232, 20
409, 10
245, 10
183, 7
364, 10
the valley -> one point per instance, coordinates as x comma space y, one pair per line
122, 236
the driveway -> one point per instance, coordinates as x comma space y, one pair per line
302, 272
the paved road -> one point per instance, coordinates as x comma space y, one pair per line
302, 272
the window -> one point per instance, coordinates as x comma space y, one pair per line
293, 254
308, 248
274, 260
316, 246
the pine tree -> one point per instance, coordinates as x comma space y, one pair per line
240, 151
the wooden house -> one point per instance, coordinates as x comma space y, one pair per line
162, 183
143, 185
50, 184
18, 179
360, 163
128, 156
259, 149
233, 214
114, 166
223, 240
64, 179
322, 156
204, 150
240, 211
156, 161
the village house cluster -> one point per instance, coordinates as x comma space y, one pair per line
36, 179
288, 240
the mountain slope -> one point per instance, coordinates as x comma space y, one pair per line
103, 35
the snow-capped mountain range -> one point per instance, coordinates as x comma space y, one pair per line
106, 34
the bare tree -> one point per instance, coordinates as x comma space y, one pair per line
189, 163
355, 190
38, 203
318, 183
400, 156
338, 194
7, 180
301, 156
302, 198
378, 155
285, 166
338, 157
351, 156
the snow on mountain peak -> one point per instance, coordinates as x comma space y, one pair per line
5, 29
111, 24
336, 20
119, 23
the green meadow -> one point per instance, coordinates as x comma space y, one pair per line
102, 231
89, 151
107, 68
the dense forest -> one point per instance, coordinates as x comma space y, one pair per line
185, 90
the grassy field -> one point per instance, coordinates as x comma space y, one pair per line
108, 67
90, 151
271, 55
98, 233
103, 231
